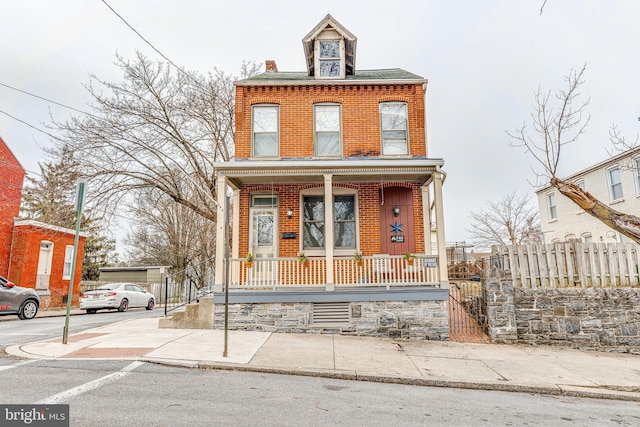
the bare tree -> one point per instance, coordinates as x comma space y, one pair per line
510, 221
168, 233
159, 128
553, 129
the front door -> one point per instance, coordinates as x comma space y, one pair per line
262, 243
44, 265
396, 221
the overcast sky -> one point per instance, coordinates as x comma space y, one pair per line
483, 60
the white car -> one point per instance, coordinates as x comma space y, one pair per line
118, 296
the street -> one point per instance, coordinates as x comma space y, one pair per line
124, 392
153, 395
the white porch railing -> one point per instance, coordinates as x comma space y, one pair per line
379, 270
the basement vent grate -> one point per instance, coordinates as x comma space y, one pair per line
331, 314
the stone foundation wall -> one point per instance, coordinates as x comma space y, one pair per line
416, 320
606, 319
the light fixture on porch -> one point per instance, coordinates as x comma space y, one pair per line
396, 210
289, 213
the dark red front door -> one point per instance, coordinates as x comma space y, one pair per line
396, 232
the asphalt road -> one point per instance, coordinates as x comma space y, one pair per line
124, 393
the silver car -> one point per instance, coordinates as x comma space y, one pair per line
118, 296
18, 300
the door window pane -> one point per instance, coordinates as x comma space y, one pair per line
265, 230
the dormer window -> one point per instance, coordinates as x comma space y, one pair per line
330, 50
329, 56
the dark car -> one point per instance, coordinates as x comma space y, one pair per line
18, 300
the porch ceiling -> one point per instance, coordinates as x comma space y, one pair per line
304, 171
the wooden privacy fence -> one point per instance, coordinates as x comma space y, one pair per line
571, 264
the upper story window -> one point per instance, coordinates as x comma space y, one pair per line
328, 138
551, 205
394, 128
636, 173
330, 64
265, 130
615, 183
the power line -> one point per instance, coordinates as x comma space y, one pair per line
151, 45
44, 99
28, 124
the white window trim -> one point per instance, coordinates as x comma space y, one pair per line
315, 132
550, 217
68, 259
408, 145
636, 174
610, 184
336, 191
586, 236
277, 155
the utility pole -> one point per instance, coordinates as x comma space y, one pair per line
79, 202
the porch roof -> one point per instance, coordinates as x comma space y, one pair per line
344, 170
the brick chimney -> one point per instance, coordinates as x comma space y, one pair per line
271, 66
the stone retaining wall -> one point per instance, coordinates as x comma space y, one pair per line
606, 319
417, 320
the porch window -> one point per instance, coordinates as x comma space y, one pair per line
615, 184
68, 258
265, 127
313, 221
328, 141
344, 227
393, 127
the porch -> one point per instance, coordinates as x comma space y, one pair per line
378, 271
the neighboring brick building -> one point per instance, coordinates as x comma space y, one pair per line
34, 254
356, 138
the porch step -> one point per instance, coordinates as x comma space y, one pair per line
332, 314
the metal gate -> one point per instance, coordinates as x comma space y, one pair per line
467, 313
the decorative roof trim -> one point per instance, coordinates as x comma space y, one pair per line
325, 82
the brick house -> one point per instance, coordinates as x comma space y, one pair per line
340, 146
34, 254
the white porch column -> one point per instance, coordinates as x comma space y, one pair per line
438, 177
328, 229
426, 219
221, 194
235, 227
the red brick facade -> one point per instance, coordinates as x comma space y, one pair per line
21, 240
11, 180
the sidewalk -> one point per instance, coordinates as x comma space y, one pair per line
544, 370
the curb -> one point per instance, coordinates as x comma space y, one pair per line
558, 390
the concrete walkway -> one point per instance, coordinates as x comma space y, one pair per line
545, 370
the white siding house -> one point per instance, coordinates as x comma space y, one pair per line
615, 182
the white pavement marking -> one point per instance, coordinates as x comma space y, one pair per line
26, 362
92, 385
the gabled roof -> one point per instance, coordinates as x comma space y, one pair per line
349, 43
7, 155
